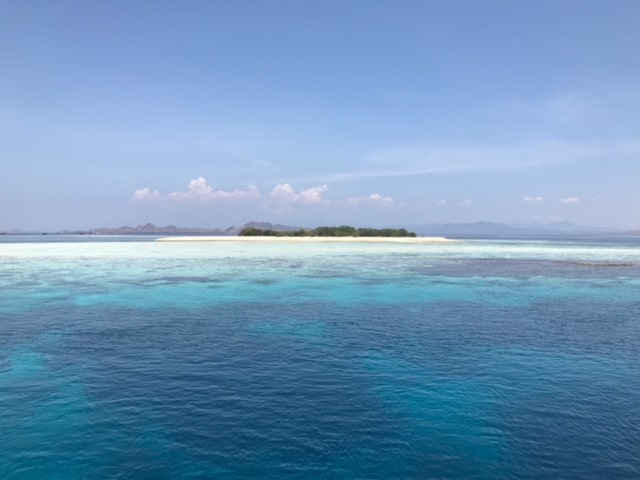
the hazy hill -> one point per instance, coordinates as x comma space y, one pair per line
151, 229
504, 230
148, 228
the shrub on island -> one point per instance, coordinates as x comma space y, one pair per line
341, 231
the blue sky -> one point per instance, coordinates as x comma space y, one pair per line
202, 113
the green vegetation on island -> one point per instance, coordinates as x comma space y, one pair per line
341, 231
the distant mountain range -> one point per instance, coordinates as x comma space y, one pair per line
484, 229
148, 229
504, 230
151, 229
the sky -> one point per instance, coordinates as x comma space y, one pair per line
365, 112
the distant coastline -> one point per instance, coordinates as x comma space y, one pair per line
450, 230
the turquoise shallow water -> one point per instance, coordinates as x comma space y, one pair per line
482, 359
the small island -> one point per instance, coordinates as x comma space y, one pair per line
341, 231
259, 232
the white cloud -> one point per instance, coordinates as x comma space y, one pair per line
466, 203
533, 199
145, 195
598, 198
570, 201
441, 203
285, 193
313, 194
199, 190
373, 199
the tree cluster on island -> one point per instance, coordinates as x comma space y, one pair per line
341, 231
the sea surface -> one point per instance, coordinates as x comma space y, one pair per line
483, 359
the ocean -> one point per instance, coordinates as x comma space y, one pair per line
482, 359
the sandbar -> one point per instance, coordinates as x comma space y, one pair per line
259, 239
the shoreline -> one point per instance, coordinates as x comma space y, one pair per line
268, 239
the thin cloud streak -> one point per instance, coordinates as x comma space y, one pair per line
343, 176
426, 161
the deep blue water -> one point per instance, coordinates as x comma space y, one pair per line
480, 359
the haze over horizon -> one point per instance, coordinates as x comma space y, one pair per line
211, 114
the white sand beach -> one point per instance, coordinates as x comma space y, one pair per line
259, 239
